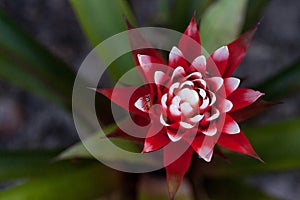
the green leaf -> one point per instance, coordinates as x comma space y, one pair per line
277, 144
65, 180
221, 23
102, 19
283, 83
28, 64
79, 150
102, 149
19, 164
113, 150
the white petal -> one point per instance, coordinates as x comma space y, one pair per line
194, 75
231, 126
164, 101
225, 106
189, 95
201, 82
208, 157
200, 63
196, 118
231, 84
174, 138
186, 109
221, 54
174, 110
145, 62
212, 130
215, 83
204, 105
174, 53
202, 93
175, 57
176, 100
159, 77
179, 71
162, 121
140, 104
214, 115
206, 153
173, 87
186, 125
187, 83
213, 98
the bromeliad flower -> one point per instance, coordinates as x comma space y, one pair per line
193, 104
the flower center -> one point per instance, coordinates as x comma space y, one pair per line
189, 101
189, 96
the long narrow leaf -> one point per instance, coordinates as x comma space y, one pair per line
21, 164
102, 19
38, 70
82, 180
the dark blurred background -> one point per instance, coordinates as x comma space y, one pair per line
29, 122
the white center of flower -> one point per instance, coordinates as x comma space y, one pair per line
187, 109
189, 96
189, 101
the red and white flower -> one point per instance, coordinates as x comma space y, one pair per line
192, 103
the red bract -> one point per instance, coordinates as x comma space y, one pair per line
193, 102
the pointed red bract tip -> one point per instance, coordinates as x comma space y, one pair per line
128, 24
190, 43
238, 143
237, 51
176, 168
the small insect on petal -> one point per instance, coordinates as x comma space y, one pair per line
148, 102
